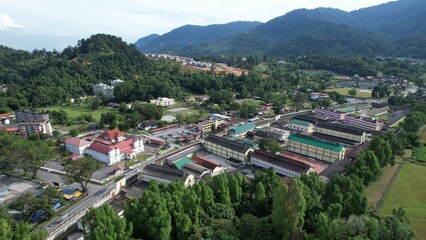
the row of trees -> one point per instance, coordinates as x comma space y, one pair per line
227, 206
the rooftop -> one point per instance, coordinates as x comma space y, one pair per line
300, 122
112, 134
227, 143
340, 128
165, 172
316, 142
76, 142
210, 164
281, 161
243, 128
346, 110
181, 162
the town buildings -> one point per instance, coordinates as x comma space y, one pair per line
165, 174
301, 125
317, 148
340, 131
241, 130
110, 147
227, 148
206, 125
163, 101
281, 164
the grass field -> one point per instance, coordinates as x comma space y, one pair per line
76, 111
376, 190
408, 191
344, 91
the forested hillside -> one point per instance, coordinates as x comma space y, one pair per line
391, 29
192, 35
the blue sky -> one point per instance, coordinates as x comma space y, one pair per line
29, 24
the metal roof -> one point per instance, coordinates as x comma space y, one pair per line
243, 128
300, 122
316, 142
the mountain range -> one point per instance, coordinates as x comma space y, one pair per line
392, 29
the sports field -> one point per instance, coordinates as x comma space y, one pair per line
359, 93
76, 111
408, 191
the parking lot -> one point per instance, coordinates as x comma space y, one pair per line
11, 187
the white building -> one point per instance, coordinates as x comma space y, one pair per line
76, 145
116, 82
165, 174
282, 165
163, 101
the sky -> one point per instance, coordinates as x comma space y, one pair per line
56, 24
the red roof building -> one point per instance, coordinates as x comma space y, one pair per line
114, 135
209, 164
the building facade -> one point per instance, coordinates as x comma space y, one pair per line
340, 131
241, 130
25, 129
206, 125
163, 101
76, 145
316, 148
227, 148
106, 90
301, 125
363, 123
165, 174
282, 165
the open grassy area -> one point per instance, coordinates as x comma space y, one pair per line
408, 191
376, 190
344, 91
76, 111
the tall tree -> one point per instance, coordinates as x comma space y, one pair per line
81, 171
104, 223
280, 215
270, 145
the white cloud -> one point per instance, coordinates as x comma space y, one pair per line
6, 22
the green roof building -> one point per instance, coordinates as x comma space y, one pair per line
181, 162
301, 125
242, 129
315, 147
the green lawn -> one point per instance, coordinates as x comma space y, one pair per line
344, 91
375, 190
408, 191
76, 111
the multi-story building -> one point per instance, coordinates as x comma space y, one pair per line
276, 133
206, 125
110, 147
227, 148
317, 148
341, 131
106, 90
28, 128
241, 130
5, 118
163, 101
165, 174
363, 123
29, 116
281, 164
331, 114
301, 125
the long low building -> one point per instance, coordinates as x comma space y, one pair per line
281, 164
341, 131
363, 123
227, 148
317, 148
165, 174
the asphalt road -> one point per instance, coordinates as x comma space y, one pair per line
56, 223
